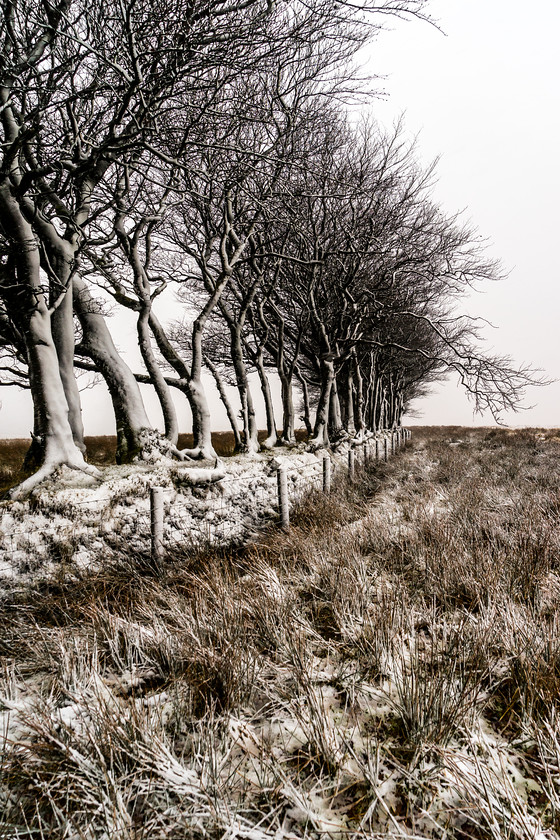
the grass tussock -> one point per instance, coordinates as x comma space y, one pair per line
388, 668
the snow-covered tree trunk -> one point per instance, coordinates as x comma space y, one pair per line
271, 434
62, 325
225, 400
158, 380
250, 429
201, 417
306, 408
288, 415
192, 384
34, 317
335, 414
97, 344
320, 429
130, 245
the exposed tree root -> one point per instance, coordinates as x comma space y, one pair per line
199, 453
289, 443
154, 446
20, 491
316, 443
205, 476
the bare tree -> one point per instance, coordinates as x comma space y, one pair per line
81, 85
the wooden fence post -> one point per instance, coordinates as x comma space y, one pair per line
327, 469
385, 448
283, 504
377, 449
156, 522
351, 465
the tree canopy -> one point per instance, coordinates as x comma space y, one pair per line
207, 146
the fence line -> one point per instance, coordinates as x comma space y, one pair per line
272, 495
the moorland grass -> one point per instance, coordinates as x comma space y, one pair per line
388, 668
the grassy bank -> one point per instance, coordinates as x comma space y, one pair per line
391, 667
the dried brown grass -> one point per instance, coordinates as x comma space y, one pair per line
388, 668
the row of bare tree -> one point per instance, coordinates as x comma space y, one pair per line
205, 146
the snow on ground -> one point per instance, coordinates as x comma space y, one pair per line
477, 774
73, 516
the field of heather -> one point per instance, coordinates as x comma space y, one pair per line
388, 668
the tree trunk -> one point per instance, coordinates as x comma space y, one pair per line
335, 415
193, 389
383, 409
288, 417
271, 435
34, 320
359, 415
306, 411
391, 405
399, 411
350, 424
202, 429
62, 325
377, 405
158, 380
320, 430
225, 400
97, 344
250, 430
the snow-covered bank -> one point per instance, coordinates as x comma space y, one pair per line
72, 516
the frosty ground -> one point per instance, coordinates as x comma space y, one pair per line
74, 516
391, 667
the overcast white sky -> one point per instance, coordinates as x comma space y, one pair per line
484, 98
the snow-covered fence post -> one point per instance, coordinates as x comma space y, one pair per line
351, 465
327, 470
385, 448
156, 522
283, 504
